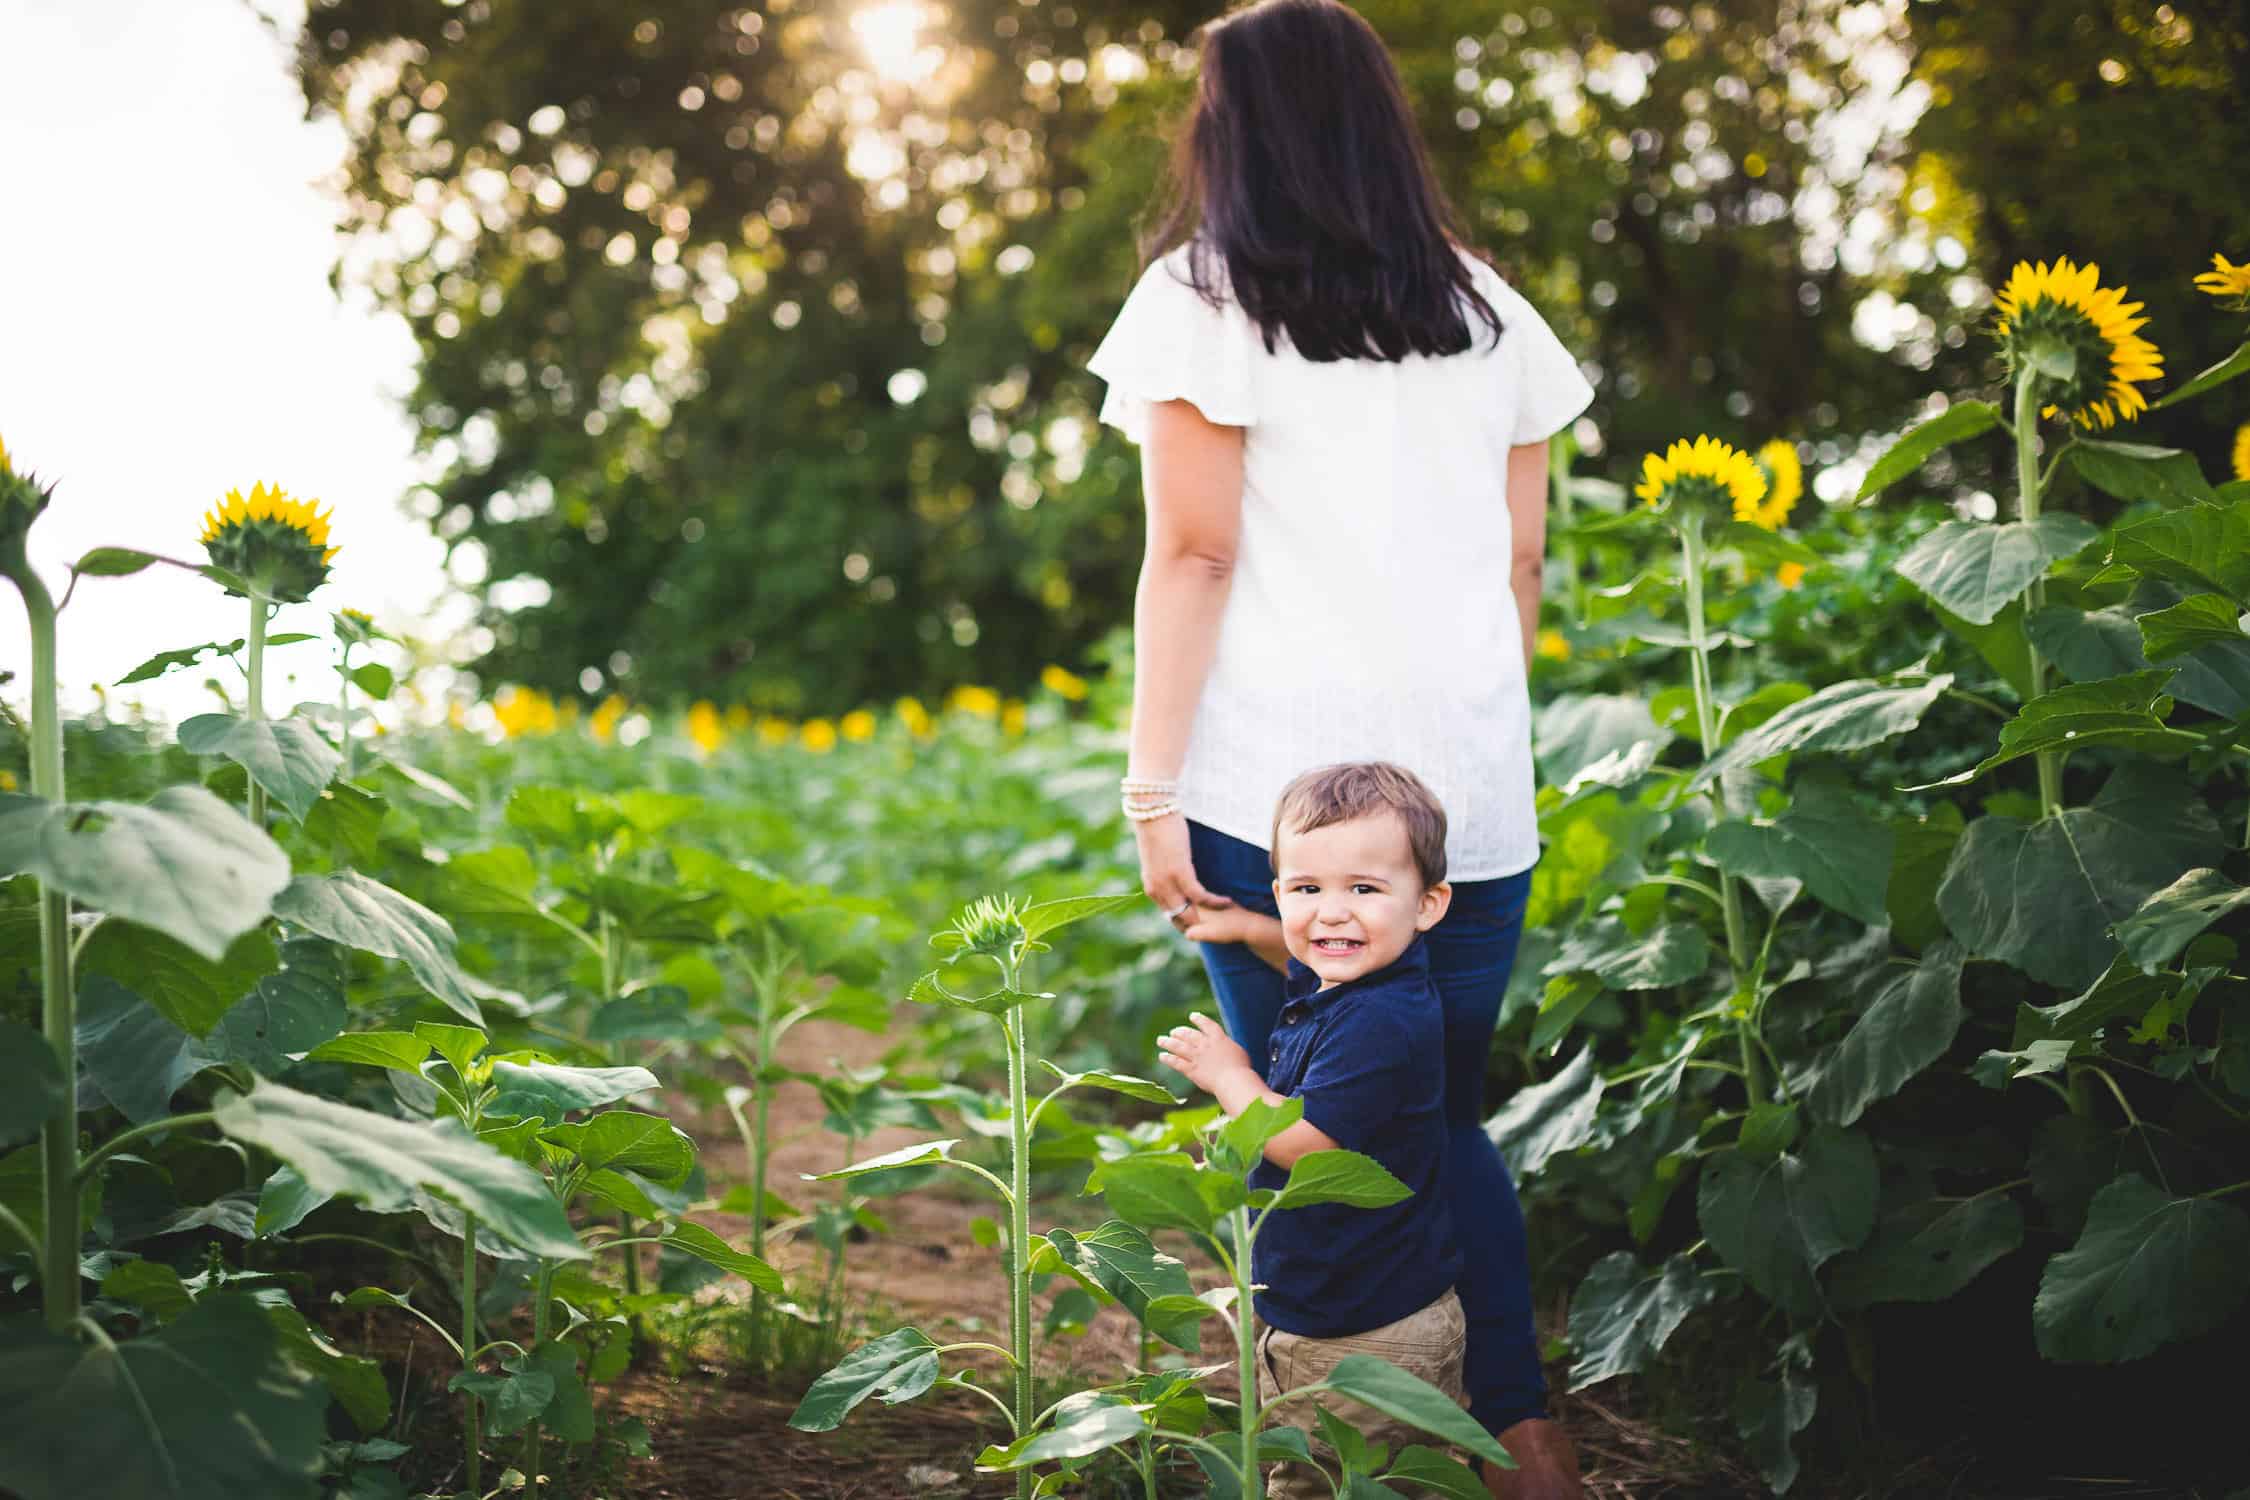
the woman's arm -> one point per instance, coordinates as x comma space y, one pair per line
1191, 469
1527, 520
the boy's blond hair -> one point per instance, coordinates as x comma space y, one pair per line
1337, 794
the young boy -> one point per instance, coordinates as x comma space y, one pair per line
1359, 876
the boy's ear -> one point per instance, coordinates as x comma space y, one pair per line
1436, 899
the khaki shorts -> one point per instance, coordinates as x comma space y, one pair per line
1426, 1343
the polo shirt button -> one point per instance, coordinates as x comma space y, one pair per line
1275, 1052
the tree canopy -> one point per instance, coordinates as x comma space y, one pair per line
753, 336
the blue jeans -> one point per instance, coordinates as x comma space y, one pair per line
1471, 953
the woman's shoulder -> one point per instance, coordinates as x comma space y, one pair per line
1495, 287
1192, 268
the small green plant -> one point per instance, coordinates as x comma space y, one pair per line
1212, 1202
560, 1121
803, 953
905, 1364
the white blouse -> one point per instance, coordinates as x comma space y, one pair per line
1370, 616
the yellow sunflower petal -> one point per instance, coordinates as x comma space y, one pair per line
2225, 279
2066, 304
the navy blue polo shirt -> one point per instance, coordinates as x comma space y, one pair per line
1368, 1058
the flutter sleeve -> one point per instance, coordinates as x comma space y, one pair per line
1169, 344
1550, 393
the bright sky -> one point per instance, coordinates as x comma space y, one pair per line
169, 334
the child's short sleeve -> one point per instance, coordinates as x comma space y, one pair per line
1169, 344
1550, 392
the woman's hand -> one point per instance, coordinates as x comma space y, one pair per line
1236, 923
1168, 872
1213, 1061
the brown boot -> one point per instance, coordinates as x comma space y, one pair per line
1546, 1464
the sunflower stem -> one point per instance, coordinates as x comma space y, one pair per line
1246, 1353
58, 1137
2027, 509
1013, 1028
254, 707
344, 709
1707, 725
472, 1440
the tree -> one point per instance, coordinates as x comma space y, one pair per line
758, 334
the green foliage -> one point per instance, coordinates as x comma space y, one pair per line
351, 909
385, 1163
288, 757
205, 1408
30, 1082
185, 864
1622, 1315
2149, 1268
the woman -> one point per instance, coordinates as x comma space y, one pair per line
1343, 418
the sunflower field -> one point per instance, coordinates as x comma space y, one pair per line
389, 1113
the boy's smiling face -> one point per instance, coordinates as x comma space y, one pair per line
1351, 898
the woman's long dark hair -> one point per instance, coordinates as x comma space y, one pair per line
1301, 169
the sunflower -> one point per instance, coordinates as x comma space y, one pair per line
1063, 683
818, 735
521, 711
858, 726
1705, 472
2242, 451
705, 726
914, 716
2224, 280
279, 545
602, 723
772, 731
1553, 645
1013, 717
2059, 313
980, 701
1785, 484
1789, 574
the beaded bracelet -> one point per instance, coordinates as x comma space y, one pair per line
1151, 812
1133, 784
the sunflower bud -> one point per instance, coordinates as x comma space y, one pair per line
356, 627
22, 498
990, 925
276, 544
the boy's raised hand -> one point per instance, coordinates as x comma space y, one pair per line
1208, 1057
